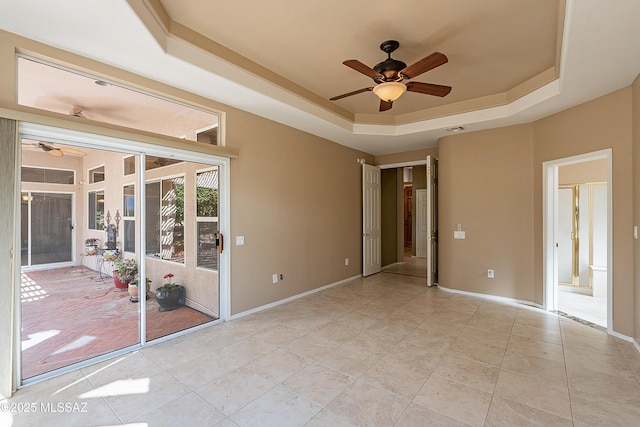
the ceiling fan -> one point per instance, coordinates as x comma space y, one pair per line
54, 151
389, 74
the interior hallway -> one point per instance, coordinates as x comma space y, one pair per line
411, 266
380, 351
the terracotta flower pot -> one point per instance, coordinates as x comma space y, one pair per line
134, 292
121, 282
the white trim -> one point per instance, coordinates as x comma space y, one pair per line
624, 338
403, 164
492, 297
292, 298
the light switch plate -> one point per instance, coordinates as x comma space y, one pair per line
239, 240
459, 234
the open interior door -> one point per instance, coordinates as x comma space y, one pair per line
432, 221
371, 224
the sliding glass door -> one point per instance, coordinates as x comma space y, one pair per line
103, 242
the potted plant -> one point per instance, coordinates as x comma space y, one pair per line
91, 246
170, 295
134, 291
125, 270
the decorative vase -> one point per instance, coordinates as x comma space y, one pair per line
110, 254
171, 299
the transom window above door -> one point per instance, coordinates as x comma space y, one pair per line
56, 89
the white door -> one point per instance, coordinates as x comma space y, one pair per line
421, 224
371, 225
432, 221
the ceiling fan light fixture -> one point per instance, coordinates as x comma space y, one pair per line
389, 91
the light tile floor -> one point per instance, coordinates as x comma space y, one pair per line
378, 351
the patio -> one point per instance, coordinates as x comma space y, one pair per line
72, 314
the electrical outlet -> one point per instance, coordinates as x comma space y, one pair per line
281, 276
275, 278
346, 261
490, 274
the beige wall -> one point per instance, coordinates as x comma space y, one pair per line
585, 172
297, 200
406, 156
485, 184
636, 201
491, 183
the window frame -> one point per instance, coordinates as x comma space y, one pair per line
91, 173
92, 221
160, 180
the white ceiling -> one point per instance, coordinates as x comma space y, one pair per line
291, 45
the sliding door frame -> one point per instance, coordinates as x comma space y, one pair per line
125, 146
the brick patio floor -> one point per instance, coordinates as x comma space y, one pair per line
71, 314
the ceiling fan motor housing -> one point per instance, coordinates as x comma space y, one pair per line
390, 67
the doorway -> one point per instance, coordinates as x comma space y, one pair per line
46, 242
402, 185
577, 237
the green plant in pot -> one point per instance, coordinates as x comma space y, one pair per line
170, 295
134, 290
125, 270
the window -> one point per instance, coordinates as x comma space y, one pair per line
48, 176
208, 135
207, 218
96, 175
154, 162
129, 165
128, 218
146, 112
96, 210
165, 219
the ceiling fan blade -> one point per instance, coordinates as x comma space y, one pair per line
72, 151
355, 92
428, 88
432, 61
385, 105
362, 68
55, 152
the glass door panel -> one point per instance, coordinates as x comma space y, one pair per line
181, 236
71, 309
47, 228
51, 228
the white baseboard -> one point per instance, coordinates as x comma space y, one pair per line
635, 343
292, 298
492, 297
